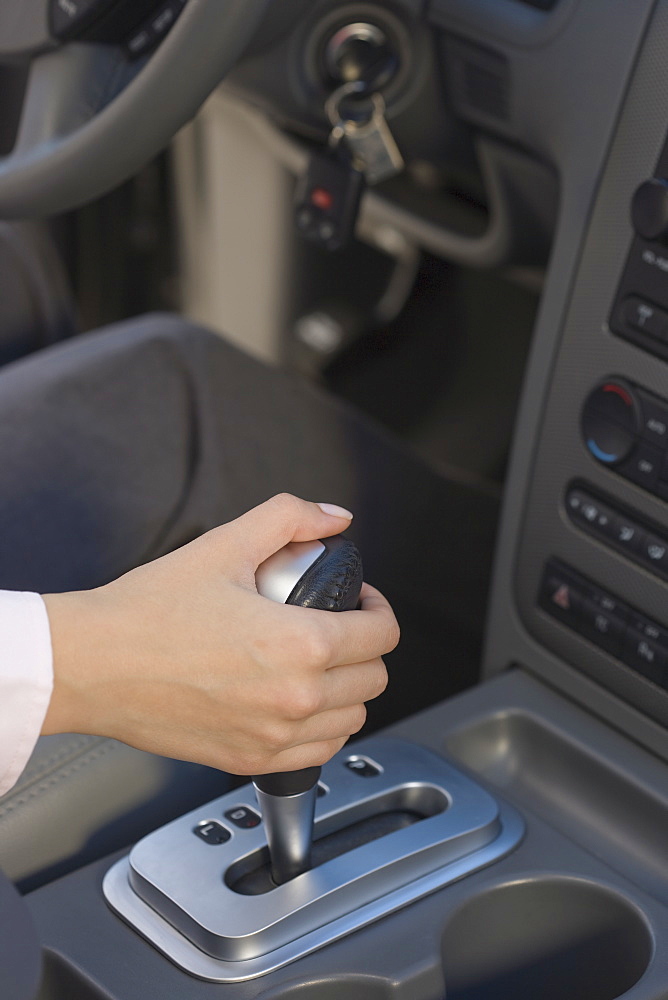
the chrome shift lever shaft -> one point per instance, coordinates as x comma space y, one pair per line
288, 822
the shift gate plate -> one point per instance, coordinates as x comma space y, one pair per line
177, 891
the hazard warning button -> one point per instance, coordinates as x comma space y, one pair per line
562, 597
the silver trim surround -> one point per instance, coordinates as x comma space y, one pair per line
172, 887
278, 575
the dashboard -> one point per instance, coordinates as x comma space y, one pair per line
534, 137
484, 102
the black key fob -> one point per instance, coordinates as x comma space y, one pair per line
328, 199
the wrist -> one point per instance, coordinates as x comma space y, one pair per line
73, 641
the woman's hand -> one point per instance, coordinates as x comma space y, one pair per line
182, 657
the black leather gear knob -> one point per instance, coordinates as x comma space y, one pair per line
326, 575
334, 580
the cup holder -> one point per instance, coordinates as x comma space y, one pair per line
550, 938
351, 987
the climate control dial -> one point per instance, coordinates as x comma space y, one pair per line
611, 421
626, 428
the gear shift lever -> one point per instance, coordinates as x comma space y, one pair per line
326, 575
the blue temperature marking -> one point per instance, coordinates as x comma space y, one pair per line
602, 456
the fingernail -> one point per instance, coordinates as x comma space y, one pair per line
335, 510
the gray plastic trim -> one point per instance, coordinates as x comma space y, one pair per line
636, 145
502, 19
20, 953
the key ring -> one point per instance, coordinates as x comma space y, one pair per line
335, 99
340, 125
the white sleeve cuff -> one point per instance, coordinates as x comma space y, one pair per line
26, 680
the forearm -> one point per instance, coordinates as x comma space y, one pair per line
26, 680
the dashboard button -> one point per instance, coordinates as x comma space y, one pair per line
654, 421
575, 500
649, 629
654, 553
603, 627
610, 605
589, 511
609, 528
649, 210
627, 534
645, 656
645, 317
68, 17
562, 599
140, 42
643, 468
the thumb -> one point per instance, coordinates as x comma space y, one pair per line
285, 518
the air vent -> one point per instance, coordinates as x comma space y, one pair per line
479, 80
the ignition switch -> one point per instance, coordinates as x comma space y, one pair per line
361, 51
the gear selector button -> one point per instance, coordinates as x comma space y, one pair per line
243, 817
212, 833
363, 766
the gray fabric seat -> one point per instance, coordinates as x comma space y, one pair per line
82, 797
118, 446
98, 444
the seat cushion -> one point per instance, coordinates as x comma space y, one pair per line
82, 797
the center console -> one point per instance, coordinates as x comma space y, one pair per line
531, 863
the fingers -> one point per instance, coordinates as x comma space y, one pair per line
285, 518
353, 684
339, 723
360, 636
305, 755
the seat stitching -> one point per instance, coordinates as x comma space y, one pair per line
71, 746
54, 779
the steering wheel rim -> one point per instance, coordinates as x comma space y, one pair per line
91, 119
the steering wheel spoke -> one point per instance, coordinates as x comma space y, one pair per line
92, 116
24, 28
66, 89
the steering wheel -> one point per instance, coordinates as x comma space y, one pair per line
93, 113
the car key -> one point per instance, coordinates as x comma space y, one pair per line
366, 134
325, 575
362, 150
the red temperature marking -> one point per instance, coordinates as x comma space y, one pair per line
622, 393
